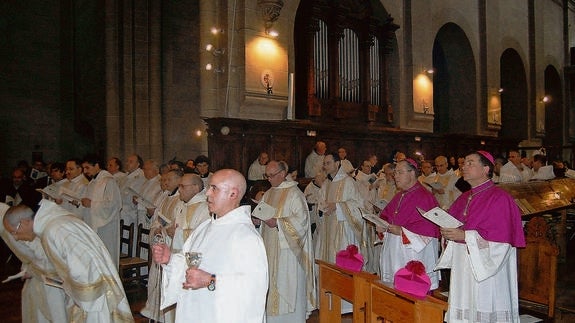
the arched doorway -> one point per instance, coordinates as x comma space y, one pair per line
554, 117
454, 82
514, 107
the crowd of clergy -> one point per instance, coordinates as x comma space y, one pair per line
182, 205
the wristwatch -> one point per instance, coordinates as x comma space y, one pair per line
212, 284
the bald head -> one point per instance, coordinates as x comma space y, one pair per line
18, 220
226, 190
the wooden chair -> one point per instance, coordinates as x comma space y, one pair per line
126, 239
537, 266
131, 267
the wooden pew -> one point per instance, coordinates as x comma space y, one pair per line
387, 304
372, 301
336, 284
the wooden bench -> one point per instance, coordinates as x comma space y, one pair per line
372, 301
336, 284
390, 305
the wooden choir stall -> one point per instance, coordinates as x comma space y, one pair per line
545, 206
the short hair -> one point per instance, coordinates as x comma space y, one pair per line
202, 159
283, 166
485, 162
176, 162
540, 158
335, 156
140, 160
58, 166
17, 213
177, 172
75, 160
93, 159
118, 162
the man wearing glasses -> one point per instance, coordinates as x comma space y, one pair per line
40, 302
409, 235
84, 270
287, 236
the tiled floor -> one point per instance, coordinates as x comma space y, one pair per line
10, 293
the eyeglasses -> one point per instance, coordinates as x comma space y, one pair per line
401, 172
17, 228
272, 175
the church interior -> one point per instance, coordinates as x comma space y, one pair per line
171, 80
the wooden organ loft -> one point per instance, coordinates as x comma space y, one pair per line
341, 62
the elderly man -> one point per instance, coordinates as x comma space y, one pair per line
230, 283
314, 161
514, 171
287, 236
40, 302
133, 181
169, 205
103, 203
192, 212
409, 236
82, 262
258, 167
148, 193
443, 185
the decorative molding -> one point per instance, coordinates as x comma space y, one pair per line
270, 11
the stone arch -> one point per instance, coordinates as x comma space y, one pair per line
514, 100
554, 116
454, 82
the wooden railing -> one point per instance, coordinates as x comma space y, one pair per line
372, 301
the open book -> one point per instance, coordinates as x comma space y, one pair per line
70, 196
264, 211
50, 191
440, 217
375, 220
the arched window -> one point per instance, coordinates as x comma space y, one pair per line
341, 62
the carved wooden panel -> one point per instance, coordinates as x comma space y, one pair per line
293, 140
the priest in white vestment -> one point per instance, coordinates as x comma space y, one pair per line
340, 203
40, 302
443, 185
193, 210
129, 184
482, 253
168, 205
314, 161
76, 183
103, 203
148, 193
230, 283
82, 262
286, 233
258, 167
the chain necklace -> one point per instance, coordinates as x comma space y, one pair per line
470, 197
